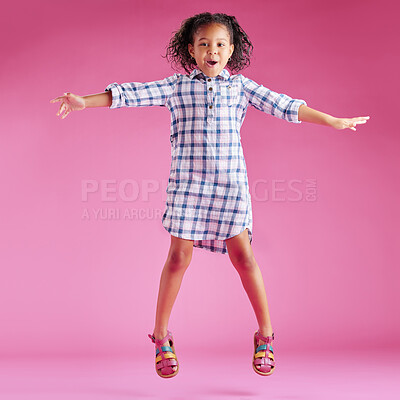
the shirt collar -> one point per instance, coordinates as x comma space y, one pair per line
196, 72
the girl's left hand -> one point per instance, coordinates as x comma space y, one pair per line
343, 123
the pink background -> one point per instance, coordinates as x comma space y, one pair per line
70, 286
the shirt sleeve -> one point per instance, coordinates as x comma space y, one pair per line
277, 104
141, 94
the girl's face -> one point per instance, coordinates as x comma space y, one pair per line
211, 48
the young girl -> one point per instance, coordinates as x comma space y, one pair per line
208, 201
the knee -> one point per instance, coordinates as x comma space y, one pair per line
244, 263
178, 260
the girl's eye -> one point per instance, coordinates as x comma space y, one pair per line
205, 44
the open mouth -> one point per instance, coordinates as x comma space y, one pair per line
211, 63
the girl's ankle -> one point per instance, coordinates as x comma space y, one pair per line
266, 331
160, 334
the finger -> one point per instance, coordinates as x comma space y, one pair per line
62, 108
56, 99
361, 122
65, 114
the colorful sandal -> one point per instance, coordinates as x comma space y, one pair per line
263, 355
165, 356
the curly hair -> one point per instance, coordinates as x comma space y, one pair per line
177, 50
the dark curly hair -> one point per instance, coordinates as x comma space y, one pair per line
177, 51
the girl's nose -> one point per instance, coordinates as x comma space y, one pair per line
212, 50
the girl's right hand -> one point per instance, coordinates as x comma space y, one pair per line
70, 102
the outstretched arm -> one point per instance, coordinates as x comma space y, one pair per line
308, 114
129, 94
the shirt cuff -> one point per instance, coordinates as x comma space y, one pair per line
116, 93
295, 111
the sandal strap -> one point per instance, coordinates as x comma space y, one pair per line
166, 356
168, 336
267, 339
264, 347
165, 349
167, 363
264, 361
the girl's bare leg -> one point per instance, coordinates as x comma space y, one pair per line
242, 258
178, 259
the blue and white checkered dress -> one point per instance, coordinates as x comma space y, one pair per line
208, 197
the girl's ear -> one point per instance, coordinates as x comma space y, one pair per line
232, 48
190, 49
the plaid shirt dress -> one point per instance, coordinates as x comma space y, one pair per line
208, 197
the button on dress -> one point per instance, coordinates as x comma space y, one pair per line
208, 197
